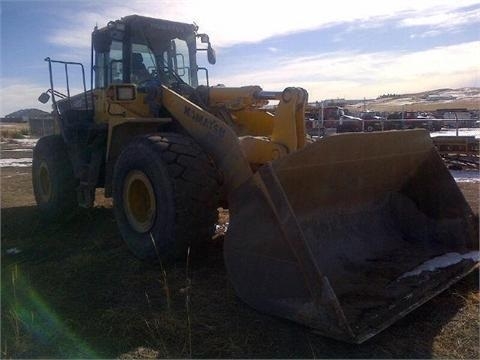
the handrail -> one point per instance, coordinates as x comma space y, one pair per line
66, 64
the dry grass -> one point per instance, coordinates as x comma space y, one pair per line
14, 130
459, 337
79, 293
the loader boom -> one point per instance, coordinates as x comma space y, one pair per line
216, 136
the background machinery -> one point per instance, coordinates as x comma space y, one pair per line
320, 118
332, 234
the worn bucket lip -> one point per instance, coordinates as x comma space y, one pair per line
361, 337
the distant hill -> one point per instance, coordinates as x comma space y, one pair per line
467, 98
28, 113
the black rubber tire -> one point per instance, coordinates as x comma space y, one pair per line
185, 183
50, 158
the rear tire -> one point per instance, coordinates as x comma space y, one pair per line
165, 189
54, 184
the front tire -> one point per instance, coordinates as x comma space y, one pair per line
54, 184
166, 192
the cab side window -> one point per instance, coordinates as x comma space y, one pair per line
115, 63
109, 66
142, 64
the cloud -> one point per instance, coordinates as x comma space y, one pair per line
426, 34
16, 94
441, 19
335, 74
358, 75
253, 21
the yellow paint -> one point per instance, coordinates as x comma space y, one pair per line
264, 136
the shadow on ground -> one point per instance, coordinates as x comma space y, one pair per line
74, 290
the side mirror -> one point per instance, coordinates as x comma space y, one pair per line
211, 56
43, 98
204, 38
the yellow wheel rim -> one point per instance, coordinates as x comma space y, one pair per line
44, 182
139, 201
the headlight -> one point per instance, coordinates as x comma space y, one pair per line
126, 92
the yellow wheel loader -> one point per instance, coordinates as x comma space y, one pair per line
345, 235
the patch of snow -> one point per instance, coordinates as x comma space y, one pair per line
15, 150
461, 132
466, 175
442, 261
18, 174
25, 142
22, 162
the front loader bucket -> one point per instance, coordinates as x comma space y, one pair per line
350, 233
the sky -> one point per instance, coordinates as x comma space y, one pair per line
333, 49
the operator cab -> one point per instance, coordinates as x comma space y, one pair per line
138, 50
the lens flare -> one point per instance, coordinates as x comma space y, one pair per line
32, 315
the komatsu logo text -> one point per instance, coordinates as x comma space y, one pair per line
204, 121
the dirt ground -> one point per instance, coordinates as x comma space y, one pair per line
73, 290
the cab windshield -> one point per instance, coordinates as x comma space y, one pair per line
169, 63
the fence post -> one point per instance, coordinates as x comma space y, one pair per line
456, 123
